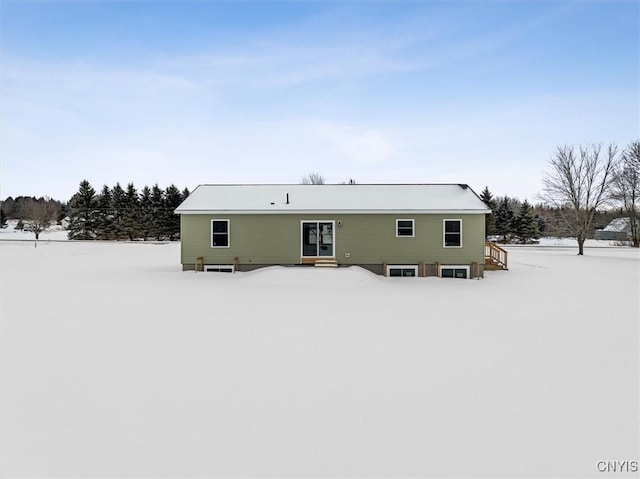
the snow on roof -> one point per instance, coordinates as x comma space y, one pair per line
416, 198
620, 225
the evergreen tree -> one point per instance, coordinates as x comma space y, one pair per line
83, 213
131, 213
489, 219
171, 222
146, 213
157, 213
526, 226
117, 213
63, 212
104, 228
3, 219
504, 220
19, 225
118, 205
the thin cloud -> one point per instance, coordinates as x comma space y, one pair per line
341, 92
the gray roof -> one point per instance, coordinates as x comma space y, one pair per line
620, 225
408, 198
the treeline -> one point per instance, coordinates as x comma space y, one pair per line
125, 214
15, 208
515, 221
34, 214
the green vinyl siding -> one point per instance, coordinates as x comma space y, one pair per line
367, 238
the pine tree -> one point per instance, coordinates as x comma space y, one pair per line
3, 219
504, 220
118, 205
83, 213
131, 213
157, 212
171, 222
63, 212
104, 228
526, 226
146, 213
489, 219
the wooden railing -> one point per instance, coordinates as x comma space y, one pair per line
495, 255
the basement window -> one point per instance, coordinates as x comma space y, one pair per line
454, 271
219, 268
402, 271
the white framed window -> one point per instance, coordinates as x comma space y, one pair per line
402, 271
220, 237
405, 228
452, 233
458, 271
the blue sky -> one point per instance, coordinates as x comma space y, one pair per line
191, 92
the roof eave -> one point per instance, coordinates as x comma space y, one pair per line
329, 212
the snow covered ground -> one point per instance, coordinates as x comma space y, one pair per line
55, 232
114, 363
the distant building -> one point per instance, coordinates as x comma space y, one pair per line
619, 230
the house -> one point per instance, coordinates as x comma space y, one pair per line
618, 229
395, 230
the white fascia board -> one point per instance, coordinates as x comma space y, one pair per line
330, 212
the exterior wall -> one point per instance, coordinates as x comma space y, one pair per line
369, 239
612, 235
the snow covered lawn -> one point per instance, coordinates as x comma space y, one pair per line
115, 363
54, 232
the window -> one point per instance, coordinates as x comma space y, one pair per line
404, 228
219, 233
454, 271
398, 271
219, 268
452, 233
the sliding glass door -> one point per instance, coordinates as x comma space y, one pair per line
317, 238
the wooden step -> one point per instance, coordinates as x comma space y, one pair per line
495, 257
326, 263
493, 266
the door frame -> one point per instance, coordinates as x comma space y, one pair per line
333, 237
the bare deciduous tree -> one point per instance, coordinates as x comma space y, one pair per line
580, 181
626, 188
312, 179
37, 215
